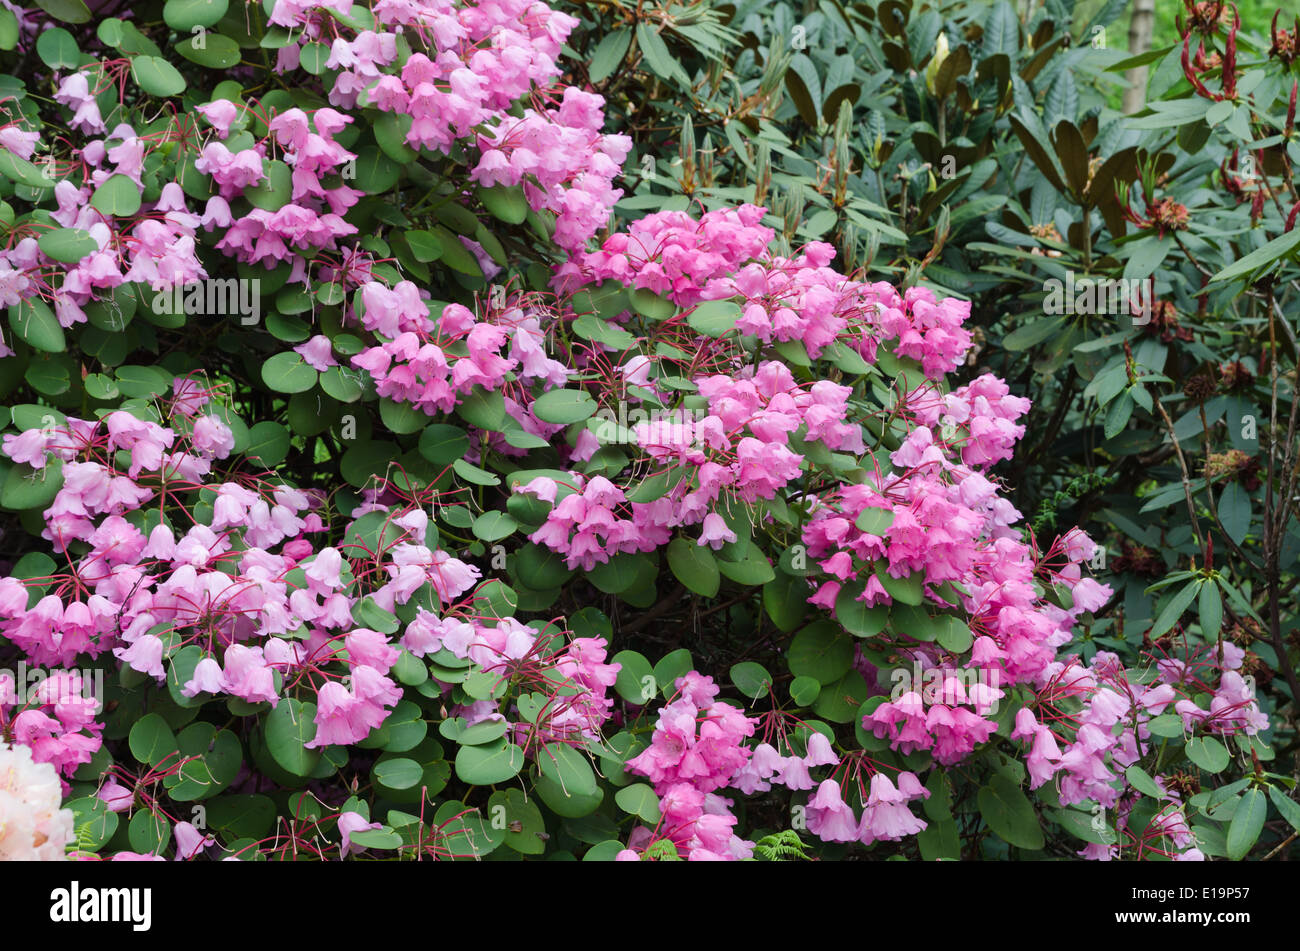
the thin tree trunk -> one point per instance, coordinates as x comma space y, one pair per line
1139, 41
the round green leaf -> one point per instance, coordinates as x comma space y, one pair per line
287, 373
490, 763
694, 566
117, 195
57, 48
563, 407
152, 740
820, 651
289, 726
713, 318
751, 679
397, 773
69, 11
639, 800
442, 444
493, 526
505, 202
156, 76
217, 51
185, 15
268, 443
649, 304
1207, 752
804, 690
636, 680
27, 488
274, 191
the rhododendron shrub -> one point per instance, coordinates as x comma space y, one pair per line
354, 460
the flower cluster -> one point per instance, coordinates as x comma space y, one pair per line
697, 748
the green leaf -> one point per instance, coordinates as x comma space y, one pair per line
1211, 611
657, 57
342, 383
240, 815
425, 245
57, 48
289, 727
567, 768
672, 666
753, 569
694, 566
804, 690
609, 53
493, 526
1167, 725
1286, 806
1118, 414
287, 373
148, 832
312, 57
524, 826
714, 318
36, 325
217, 51
622, 573
636, 681
402, 418
8, 29
1141, 780
69, 11
385, 839
1234, 511
1279, 248
821, 651
1247, 823
390, 131
377, 173
490, 763
1208, 753
22, 171
443, 444
1175, 608
274, 191
563, 407
875, 521
156, 76
268, 443
855, 616
485, 409
639, 800
185, 15
397, 773
1009, 813
953, 634
118, 195
506, 203
649, 304
903, 590
472, 473
152, 740
751, 679
67, 245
